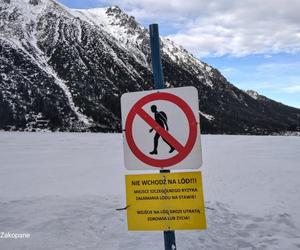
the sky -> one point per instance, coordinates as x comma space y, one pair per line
255, 44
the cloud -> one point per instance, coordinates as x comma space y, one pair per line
228, 27
282, 67
228, 69
292, 89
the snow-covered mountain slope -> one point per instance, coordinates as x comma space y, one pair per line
64, 189
65, 69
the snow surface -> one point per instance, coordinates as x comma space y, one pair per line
63, 189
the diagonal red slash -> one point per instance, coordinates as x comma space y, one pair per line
160, 130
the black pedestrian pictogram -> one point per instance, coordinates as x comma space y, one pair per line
162, 120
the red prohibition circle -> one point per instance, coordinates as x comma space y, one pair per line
161, 163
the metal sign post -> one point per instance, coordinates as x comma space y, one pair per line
169, 236
156, 58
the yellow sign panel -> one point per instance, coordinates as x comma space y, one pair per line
165, 201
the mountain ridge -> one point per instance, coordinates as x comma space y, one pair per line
70, 67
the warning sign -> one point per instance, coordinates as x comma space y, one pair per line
161, 129
165, 201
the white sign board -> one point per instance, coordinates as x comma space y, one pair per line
161, 129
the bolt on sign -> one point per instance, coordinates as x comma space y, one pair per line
161, 129
165, 201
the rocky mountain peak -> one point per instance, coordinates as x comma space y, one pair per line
34, 2
253, 94
114, 10
122, 19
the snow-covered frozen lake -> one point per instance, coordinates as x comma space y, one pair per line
63, 189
